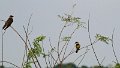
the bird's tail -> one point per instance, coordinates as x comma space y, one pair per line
77, 50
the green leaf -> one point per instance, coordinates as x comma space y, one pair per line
81, 24
27, 65
117, 65
66, 38
69, 18
102, 38
37, 49
40, 38
30, 53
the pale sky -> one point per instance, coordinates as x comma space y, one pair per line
104, 17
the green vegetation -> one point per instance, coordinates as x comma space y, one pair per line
56, 55
2, 67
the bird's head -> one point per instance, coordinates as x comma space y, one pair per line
11, 16
76, 42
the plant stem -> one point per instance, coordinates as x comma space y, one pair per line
59, 40
10, 63
113, 47
2, 48
91, 42
24, 42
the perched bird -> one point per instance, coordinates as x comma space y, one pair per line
8, 22
77, 46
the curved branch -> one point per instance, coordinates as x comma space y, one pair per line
59, 43
68, 42
10, 63
23, 41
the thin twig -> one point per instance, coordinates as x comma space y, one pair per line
53, 59
102, 60
28, 48
45, 56
46, 61
113, 46
23, 41
63, 47
80, 48
2, 42
19, 36
30, 31
29, 23
2, 48
35, 55
91, 42
23, 58
71, 52
10, 63
50, 62
59, 43
81, 55
89, 45
50, 43
33, 52
81, 60
26, 34
51, 53
68, 42
51, 48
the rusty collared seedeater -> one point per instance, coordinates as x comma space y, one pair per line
8, 22
77, 45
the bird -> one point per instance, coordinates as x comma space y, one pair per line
8, 22
77, 46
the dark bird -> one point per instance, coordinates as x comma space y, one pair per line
77, 46
8, 22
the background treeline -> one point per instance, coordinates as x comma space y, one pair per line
72, 65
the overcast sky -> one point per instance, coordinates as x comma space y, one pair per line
104, 17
